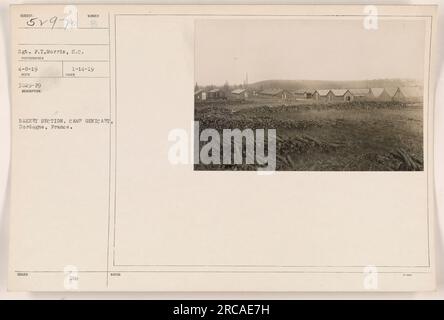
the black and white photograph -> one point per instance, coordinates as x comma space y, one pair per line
342, 94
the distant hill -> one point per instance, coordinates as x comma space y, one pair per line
326, 84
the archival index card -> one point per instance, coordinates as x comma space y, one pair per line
222, 148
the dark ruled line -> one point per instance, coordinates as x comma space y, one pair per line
36, 60
62, 28
58, 77
63, 44
222, 271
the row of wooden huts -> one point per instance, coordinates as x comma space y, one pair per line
382, 94
321, 95
216, 93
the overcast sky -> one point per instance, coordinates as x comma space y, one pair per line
329, 49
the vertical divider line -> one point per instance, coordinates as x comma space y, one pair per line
109, 150
115, 139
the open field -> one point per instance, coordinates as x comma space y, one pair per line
357, 136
